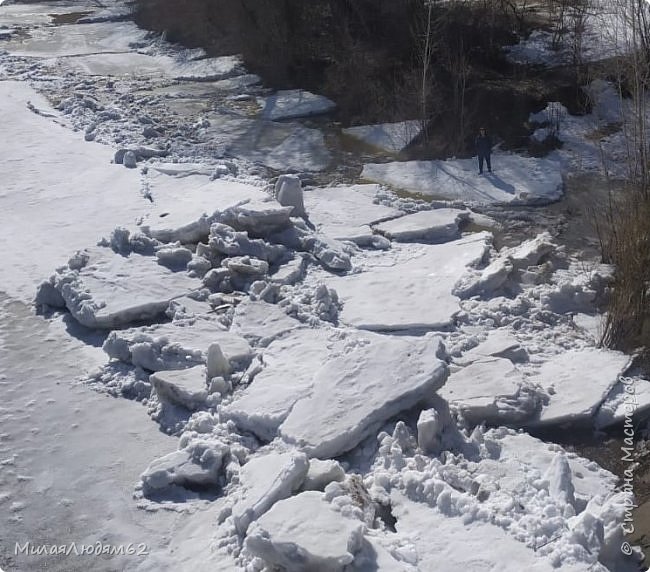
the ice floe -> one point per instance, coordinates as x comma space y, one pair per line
515, 180
438, 225
424, 279
176, 345
598, 371
392, 374
391, 137
292, 103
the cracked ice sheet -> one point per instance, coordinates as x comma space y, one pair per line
578, 381
288, 375
59, 194
184, 207
516, 179
345, 213
375, 378
447, 544
414, 291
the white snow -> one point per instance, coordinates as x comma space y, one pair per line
499, 343
292, 103
263, 376
597, 371
515, 180
391, 137
306, 533
424, 279
438, 225
289, 366
375, 379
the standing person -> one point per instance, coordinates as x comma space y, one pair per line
483, 144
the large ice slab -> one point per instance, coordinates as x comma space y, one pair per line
184, 208
177, 345
391, 137
438, 225
346, 213
578, 381
492, 391
423, 279
305, 533
293, 103
266, 480
376, 378
515, 180
112, 291
289, 366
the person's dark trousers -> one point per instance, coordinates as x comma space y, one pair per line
485, 158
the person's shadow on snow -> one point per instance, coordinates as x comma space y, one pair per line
499, 183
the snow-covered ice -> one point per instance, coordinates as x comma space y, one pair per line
265, 480
289, 366
103, 289
515, 180
597, 370
185, 387
353, 393
184, 208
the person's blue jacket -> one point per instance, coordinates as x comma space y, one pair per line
483, 144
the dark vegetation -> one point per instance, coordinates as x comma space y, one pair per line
384, 60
